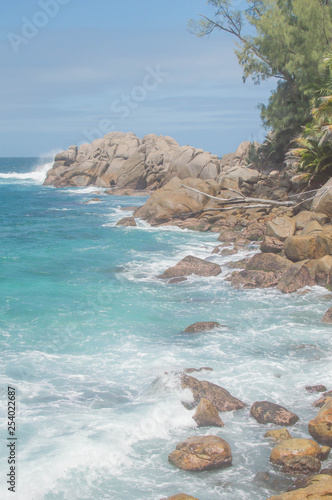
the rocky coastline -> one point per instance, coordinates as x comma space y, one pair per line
193, 189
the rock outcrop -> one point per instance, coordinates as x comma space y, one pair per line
202, 326
201, 453
219, 397
125, 161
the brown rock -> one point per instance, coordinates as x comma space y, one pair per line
327, 318
295, 447
201, 453
271, 244
295, 277
269, 262
278, 435
126, 221
207, 414
228, 236
280, 227
302, 465
254, 231
321, 488
323, 199
321, 401
324, 452
303, 218
321, 427
266, 412
218, 396
202, 326
315, 388
192, 265
253, 279
311, 246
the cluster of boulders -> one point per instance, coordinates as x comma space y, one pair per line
296, 457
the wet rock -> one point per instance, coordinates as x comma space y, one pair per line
207, 415
253, 279
265, 412
324, 453
218, 396
320, 488
302, 465
203, 368
201, 453
272, 481
127, 222
280, 227
192, 265
321, 401
269, 262
239, 264
271, 244
315, 388
202, 326
295, 447
295, 277
93, 200
278, 435
321, 427
327, 318
174, 281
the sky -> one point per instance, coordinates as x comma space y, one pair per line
74, 70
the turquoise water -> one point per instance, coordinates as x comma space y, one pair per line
86, 328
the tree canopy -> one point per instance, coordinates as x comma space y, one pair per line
282, 39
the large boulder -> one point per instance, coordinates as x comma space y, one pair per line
207, 415
303, 218
265, 412
295, 447
295, 278
280, 227
173, 200
247, 279
278, 435
201, 453
219, 397
321, 427
269, 262
323, 199
191, 265
181, 496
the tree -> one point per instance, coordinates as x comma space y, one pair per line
282, 39
314, 152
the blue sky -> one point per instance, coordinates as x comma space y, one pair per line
73, 70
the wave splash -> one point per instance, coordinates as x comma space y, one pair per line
38, 175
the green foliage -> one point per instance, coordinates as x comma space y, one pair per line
284, 39
314, 151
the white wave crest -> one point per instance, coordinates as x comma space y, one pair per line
38, 175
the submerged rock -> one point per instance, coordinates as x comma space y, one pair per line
207, 415
302, 465
201, 453
218, 396
192, 265
278, 435
127, 222
202, 326
315, 388
265, 412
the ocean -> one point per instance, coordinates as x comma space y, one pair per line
93, 342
